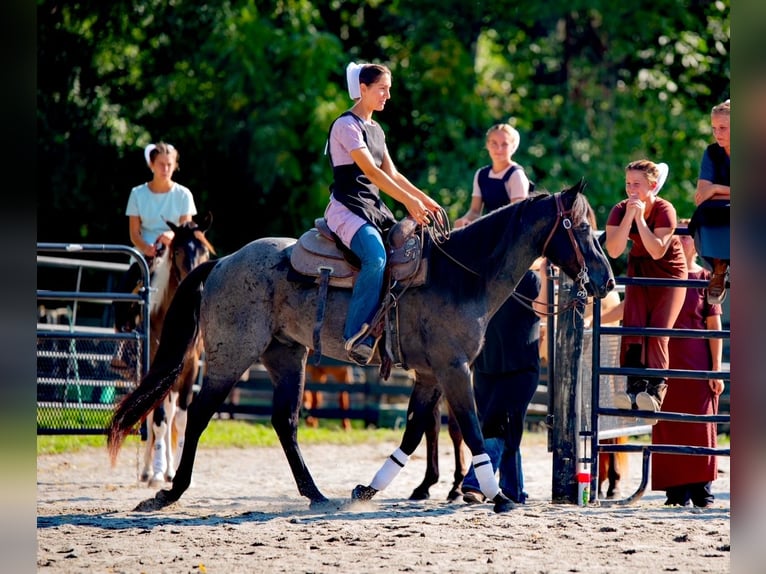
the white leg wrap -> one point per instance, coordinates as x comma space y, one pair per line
179, 422
482, 466
160, 461
389, 470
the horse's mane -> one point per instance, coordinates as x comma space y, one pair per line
160, 280
478, 247
200, 236
581, 209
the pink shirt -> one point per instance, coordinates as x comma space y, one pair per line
346, 136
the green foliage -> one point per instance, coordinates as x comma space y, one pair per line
246, 90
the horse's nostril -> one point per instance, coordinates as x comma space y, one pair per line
609, 285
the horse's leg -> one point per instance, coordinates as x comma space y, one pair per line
146, 471
617, 467
182, 412
179, 430
286, 366
159, 428
201, 410
185, 393
461, 467
604, 465
431, 430
424, 400
456, 384
171, 408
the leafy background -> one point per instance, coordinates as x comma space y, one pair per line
246, 90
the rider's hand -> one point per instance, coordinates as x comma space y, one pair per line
418, 211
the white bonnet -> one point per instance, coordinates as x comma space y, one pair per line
663, 175
352, 78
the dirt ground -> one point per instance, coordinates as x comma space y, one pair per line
243, 513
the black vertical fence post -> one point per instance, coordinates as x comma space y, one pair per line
550, 343
566, 403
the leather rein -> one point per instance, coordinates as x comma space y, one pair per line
565, 218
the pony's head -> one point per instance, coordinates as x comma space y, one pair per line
190, 247
574, 248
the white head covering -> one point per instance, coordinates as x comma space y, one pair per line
352, 78
663, 169
148, 152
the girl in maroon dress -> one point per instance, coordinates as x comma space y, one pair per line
649, 222
687, 479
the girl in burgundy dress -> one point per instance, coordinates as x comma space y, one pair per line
649, 222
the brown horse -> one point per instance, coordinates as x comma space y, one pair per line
166, 424
322, 374
612, 466
246, 308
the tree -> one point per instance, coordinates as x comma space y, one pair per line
247, 90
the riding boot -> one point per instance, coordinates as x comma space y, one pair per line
651, 399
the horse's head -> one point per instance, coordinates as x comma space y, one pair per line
189, 247
573, 247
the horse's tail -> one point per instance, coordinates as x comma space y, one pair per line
179, 337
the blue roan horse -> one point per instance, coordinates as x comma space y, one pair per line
249, 311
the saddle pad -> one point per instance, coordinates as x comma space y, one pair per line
342, 274
314, 242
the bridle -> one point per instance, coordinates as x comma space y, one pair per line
176, 266
565, 217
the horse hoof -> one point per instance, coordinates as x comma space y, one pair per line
420, 494
454, 494
362, 492
503, 503
321, 504
160, 500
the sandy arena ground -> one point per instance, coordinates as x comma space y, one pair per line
243, 514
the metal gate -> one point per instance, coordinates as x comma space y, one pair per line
585, 371
604, 372
76, 342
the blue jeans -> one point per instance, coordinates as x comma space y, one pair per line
509, 463
367, 244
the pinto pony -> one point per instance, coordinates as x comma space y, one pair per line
246, 309
166, 423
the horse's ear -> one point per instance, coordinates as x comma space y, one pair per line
572, 192
206, 222
172, 226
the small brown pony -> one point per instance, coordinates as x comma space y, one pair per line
166, 424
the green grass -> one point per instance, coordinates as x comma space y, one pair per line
235, 434
244, 434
